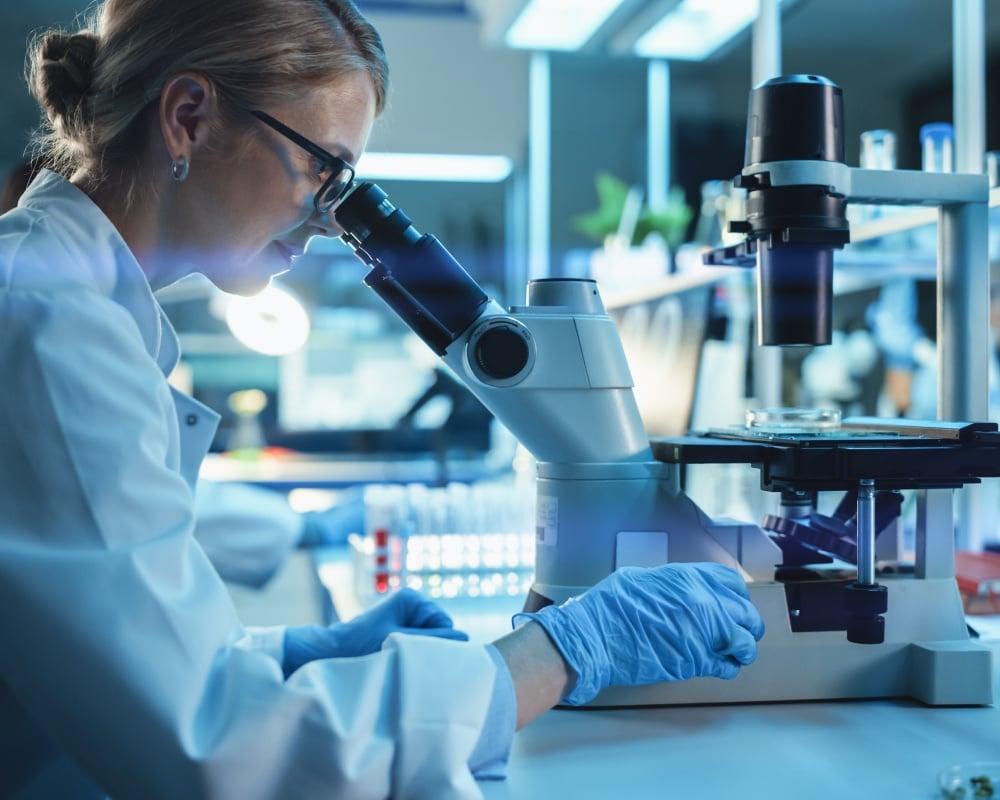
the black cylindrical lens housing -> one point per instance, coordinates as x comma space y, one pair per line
795, 118
798, 213
795, 294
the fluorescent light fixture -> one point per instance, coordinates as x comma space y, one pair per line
696, 28
433, 167
558, 24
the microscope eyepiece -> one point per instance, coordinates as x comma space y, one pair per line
413, 273
368, 219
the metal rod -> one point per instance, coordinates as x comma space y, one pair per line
969, 91
766, 63
963, 290
969, 83
539, 165
866, 532
766, 42
658, 133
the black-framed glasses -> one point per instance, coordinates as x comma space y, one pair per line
341, 173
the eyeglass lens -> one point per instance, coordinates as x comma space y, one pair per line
334, 188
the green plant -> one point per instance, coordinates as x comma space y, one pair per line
670, 221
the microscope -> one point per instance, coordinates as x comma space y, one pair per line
554, 372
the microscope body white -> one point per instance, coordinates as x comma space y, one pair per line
603, 502
592, 519
573, 401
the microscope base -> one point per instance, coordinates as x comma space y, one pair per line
927, 655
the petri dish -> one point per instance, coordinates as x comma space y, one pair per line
977, 779
792, 420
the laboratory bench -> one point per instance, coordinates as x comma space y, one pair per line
849, 749
284, 471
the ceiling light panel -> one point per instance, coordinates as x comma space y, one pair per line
558, 24
696, 28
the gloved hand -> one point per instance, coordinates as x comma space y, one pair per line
333, 525
666, 623
892, 320
406, 611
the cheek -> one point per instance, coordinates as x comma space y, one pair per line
289, 202
303, 198
268, 213
273, 193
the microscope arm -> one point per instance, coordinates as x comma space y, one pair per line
552, 371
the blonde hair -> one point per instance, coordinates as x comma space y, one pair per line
94, 85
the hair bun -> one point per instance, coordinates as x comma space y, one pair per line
62, 77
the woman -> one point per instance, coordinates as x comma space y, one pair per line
179, 127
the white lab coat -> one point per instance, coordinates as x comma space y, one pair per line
247, 532
123, 667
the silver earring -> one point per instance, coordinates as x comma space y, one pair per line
179, 169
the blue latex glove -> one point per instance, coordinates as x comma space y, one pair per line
666, 623
335, 524
406, 611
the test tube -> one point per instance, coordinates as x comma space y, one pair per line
937, 147
378, 521
993, 168
878, 149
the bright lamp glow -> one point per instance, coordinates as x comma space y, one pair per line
433, 167
558, 24
273, 322
696, 28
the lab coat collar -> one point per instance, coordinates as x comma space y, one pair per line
114, 271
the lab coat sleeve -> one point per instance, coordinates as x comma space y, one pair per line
247, 532
489, 759
492, 751
119, 638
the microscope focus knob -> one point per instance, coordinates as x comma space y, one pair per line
865, 603
500, 351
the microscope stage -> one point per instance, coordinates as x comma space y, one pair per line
896, 455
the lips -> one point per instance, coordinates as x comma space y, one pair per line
287, 251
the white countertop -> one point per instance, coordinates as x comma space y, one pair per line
838, 749
848, 750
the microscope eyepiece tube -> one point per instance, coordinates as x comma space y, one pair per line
369, 220
413, 273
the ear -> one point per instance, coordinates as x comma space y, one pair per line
187, 104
